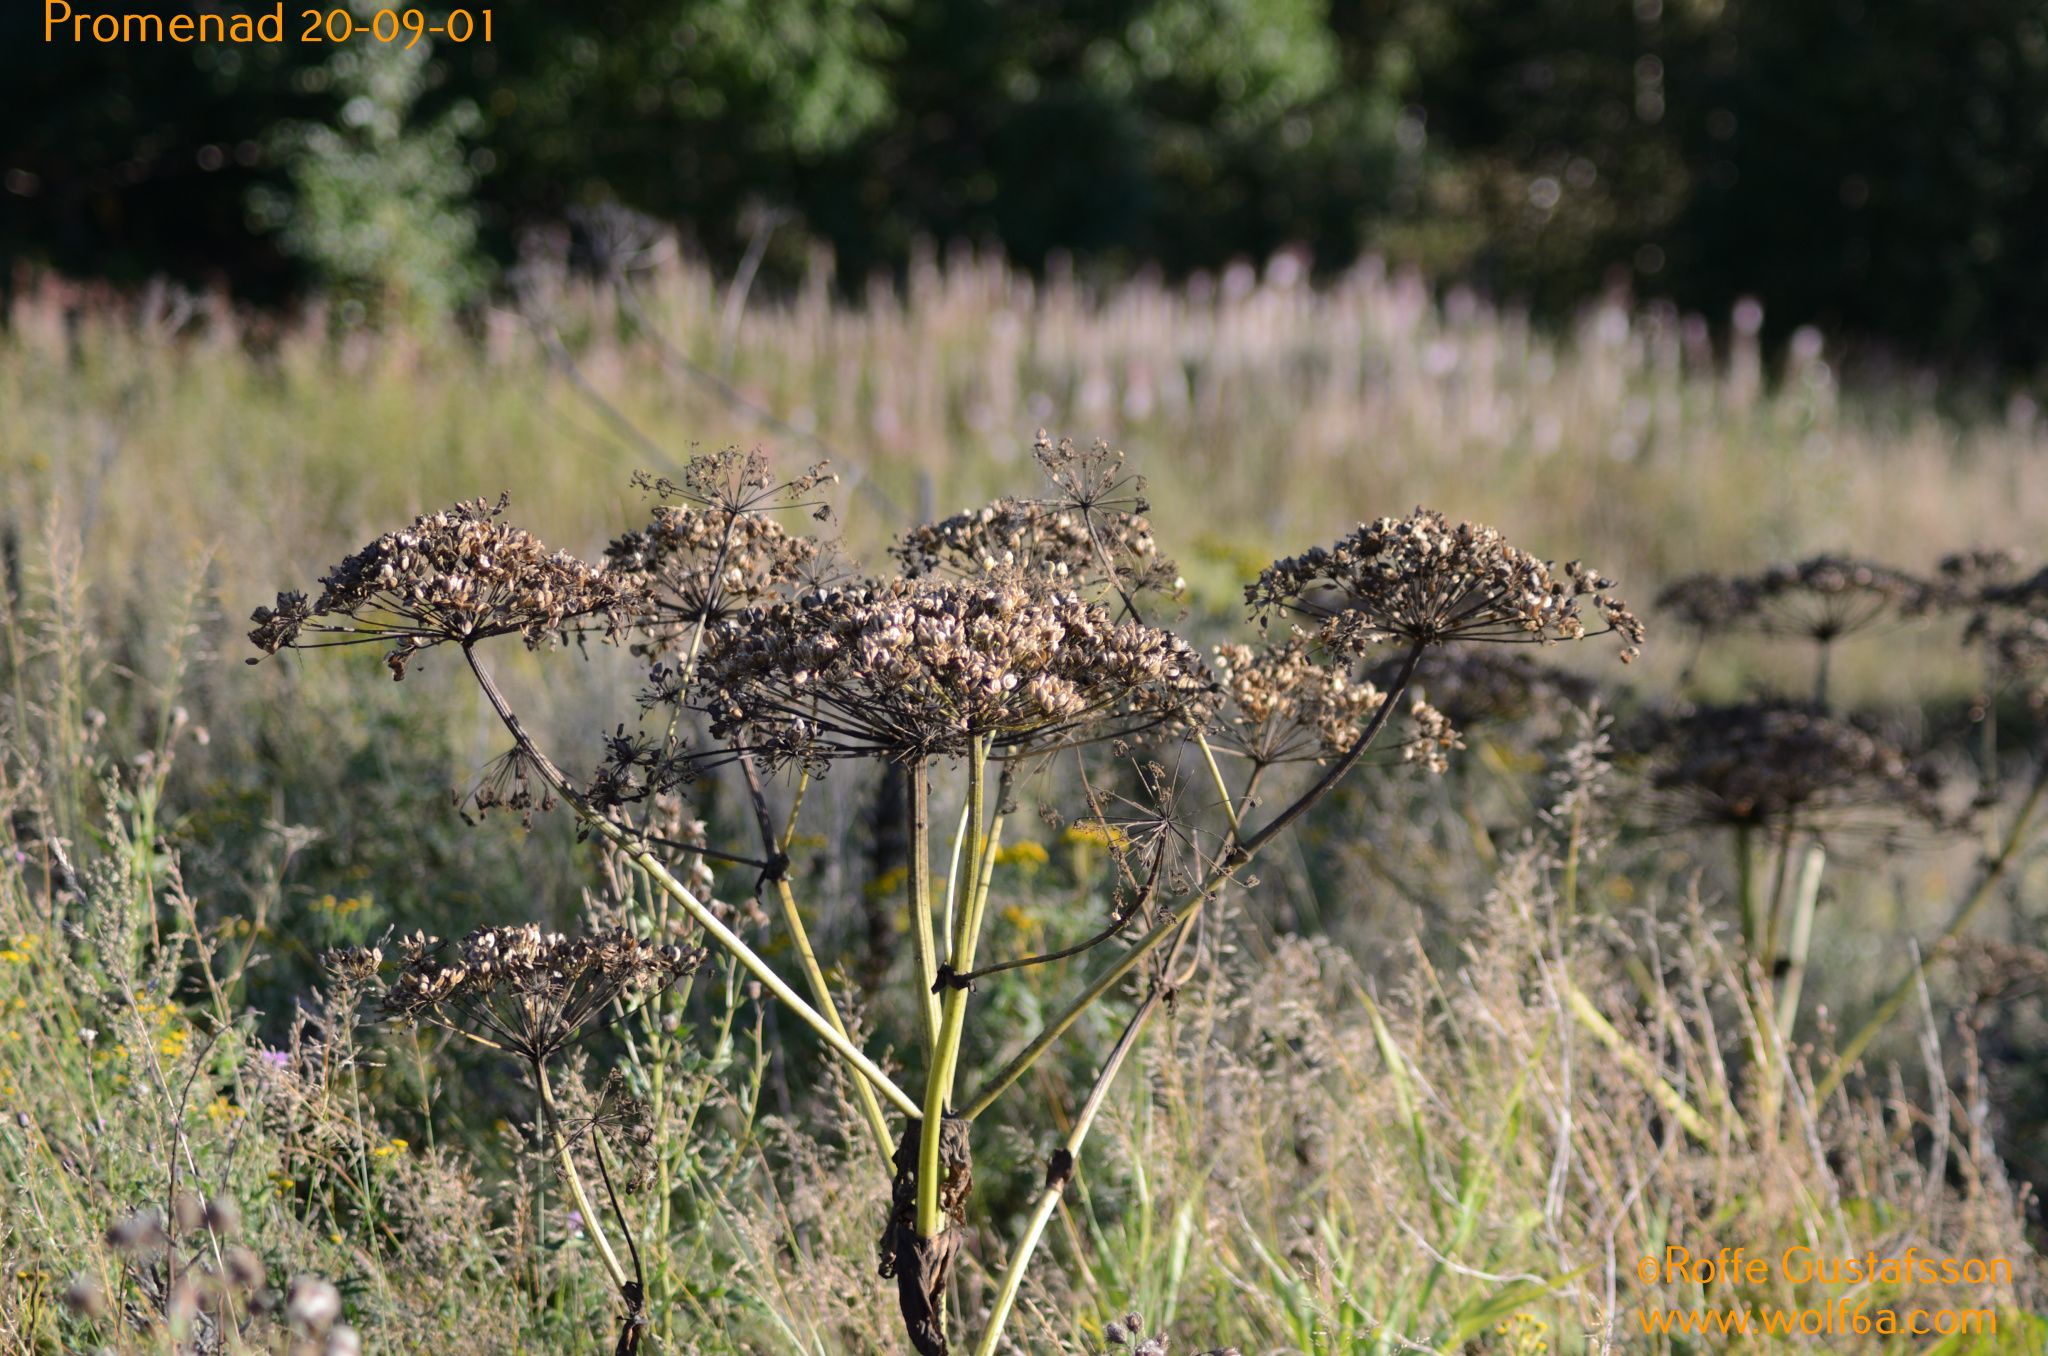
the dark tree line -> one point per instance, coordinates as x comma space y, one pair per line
1880, 169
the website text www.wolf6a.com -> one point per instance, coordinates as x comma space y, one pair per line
1845, 1297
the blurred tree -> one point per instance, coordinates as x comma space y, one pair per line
378, 201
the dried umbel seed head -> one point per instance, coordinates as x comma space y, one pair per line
1283, 704
1762, 764
244, 1270
695, 565
527, 990
224, 1216
2011, 623
461, 575
638, 766
353, 966
507, 783
1705, 602
1474, 687
1128, 1334
1427, 581
1821, 598
735, 482
1066, 546
1433, 739
1961, 578
918, 669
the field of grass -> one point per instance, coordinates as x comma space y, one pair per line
1471, 1047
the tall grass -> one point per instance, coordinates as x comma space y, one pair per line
1542, 1089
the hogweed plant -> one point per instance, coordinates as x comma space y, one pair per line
1794, 772
1016, 639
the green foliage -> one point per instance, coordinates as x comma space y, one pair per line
378, 204
1694, 150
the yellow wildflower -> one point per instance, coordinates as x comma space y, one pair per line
1027, 853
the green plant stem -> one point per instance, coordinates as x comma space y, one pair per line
947, 914
814, 975
1768, 951
1216, 775
945, 1061
713, 926
1994, 869
1239, 853
870, 1105
560, 1141
1632, 1059
1745, 878
1569, 890
1055, 1187
1804, 900
923, 946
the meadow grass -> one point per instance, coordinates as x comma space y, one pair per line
1565, 1068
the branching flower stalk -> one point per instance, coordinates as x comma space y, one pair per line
830, 1032
1014, 636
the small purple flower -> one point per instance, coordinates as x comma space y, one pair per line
276, 1059
575, 1221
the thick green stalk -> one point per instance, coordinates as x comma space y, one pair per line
575, 1180
948, 916
800, 938
713, 926
945, 1061
1745, 886
1768, 955
922, 944
1804, 901
870, 1106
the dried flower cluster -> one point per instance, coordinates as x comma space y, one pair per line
220, 1300
2011, 622
1433, 738
917, 669
527, 990
1821, 598
460, 575
1769, 764
1284, 705
1062, 544
1963, 575
508, 783
733, 482
694, 566
1428, 581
